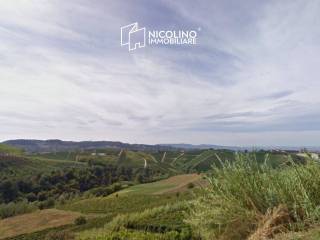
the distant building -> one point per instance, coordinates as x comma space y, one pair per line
315, 156
98, 154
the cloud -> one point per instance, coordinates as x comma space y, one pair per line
63, 73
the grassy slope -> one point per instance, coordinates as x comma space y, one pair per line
19, 165
170, 185
10, 150
30, 166
36, 221
139, 200
136, 198
105, 209
140, 197
174, 162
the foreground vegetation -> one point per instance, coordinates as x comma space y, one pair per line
98, 195
246, 199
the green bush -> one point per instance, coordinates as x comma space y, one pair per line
104, 191
13, 209
242, 191
80, 220
31, 197
49, 203
190, 185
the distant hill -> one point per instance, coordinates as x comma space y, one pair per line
205, 146
6, 149
242, 148
56, 145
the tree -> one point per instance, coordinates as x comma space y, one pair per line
9, 191
139, 178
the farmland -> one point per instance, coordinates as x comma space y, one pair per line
120, 193
36, 221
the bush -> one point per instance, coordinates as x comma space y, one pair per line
31, 197
104, 191
80, 220
190, 185
13, 209
47, 204
244, 194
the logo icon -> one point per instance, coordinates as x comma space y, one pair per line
133, 36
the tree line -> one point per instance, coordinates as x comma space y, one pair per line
69, 182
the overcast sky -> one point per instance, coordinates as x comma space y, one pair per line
252, 79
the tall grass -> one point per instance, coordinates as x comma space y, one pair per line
243, 192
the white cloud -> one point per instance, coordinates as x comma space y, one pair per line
64, 75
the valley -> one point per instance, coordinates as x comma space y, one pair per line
110, 193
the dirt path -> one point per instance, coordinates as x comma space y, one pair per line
163, 157
145, 163
174, 160
153, 159
120, 152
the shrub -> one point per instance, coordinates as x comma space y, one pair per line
31, 197
80, 220
190, 185
42, 196
104, 191
46, 204
242, 194
13, 209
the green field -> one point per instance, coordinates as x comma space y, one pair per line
172, 184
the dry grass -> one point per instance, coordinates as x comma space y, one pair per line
37, 221
273, 222
311, 234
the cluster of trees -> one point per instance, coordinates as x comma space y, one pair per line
48, 187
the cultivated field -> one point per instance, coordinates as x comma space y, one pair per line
173, 184
37, 221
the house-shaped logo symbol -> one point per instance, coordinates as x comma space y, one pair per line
133, 36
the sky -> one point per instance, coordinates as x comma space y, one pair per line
253, 78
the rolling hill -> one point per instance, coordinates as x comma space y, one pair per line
56, 145
145, 192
